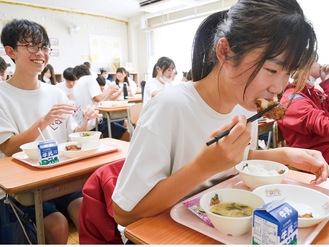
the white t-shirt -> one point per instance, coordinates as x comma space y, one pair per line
64, 88
85, 89
151, 86
171, 130
20, 109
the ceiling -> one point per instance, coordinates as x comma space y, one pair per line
120, 9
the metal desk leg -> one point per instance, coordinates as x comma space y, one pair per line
39, 216
109, 124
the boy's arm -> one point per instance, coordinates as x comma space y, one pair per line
11, 145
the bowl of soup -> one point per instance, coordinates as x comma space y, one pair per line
85, 136
230, 210
256, 173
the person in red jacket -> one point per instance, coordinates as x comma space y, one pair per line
306, 122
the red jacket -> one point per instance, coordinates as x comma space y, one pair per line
97, 225
306, 122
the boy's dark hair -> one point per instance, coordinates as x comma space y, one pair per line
68, 74
103, 70
87, 64
81, 70
24, 31
3, 65
101, 80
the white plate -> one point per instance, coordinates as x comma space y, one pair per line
87, 148
105, 147
304, 200
182, 215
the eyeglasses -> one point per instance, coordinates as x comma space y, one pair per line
34, 48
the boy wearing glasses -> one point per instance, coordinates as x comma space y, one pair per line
27, 104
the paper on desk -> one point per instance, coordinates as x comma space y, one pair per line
194, 206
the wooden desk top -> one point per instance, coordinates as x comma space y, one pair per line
136, 99
112, 108
266, 122
162, 229
18, 177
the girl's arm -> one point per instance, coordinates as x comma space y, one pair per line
304, 159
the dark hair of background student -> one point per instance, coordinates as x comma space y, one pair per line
81, 70
52, 72
123, 71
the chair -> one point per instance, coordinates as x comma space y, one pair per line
97, 225
278, 140
133, 113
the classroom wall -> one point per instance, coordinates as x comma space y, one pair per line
101, 40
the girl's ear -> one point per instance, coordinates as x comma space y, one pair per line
222, 50
10, 52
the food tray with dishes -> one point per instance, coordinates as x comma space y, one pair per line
184, 216
103, 148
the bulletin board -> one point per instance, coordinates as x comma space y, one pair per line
105, 49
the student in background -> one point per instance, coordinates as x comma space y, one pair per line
92, 72
27, 106
101, 82
162, 73
105, 74
87, 93
48, 75
306, 122
3, 69
234, 63
121, 80
68, 84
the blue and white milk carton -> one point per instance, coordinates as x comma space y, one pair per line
48, 151
275, 223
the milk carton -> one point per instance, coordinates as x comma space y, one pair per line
275, 223
48, 151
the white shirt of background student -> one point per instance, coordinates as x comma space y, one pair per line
67, 87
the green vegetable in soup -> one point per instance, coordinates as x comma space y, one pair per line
231, 209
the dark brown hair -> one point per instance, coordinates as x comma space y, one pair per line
277, 26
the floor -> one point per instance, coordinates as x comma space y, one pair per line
74, 236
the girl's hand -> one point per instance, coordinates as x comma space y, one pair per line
229, 150
310, 161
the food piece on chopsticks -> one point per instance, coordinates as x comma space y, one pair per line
277, 113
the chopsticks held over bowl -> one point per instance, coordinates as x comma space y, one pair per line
249, 120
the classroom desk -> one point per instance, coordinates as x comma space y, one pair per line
24, 181
162, 229
265, 126
136, 99
113, 113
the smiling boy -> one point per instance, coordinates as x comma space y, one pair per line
26, 105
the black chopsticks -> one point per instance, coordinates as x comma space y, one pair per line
249, 120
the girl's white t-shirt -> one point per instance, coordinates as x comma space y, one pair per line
170, 132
